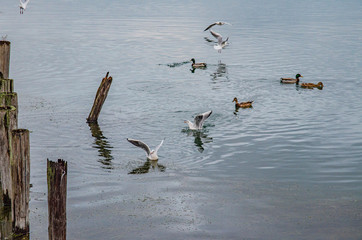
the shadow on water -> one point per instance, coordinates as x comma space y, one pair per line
221, 72
103, 146
145, 168
200, 138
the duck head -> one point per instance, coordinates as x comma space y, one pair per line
193, 60
235, 100
298, 76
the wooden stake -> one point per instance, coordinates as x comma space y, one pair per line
57, 198
4, 59
100, 98
20, 173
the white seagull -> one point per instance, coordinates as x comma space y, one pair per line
151, 154
216, 23
23, 5
198, 121
220, 43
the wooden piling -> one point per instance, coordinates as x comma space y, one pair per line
4, 59
57, 198
8, 122
6, 85
20, 173
100, 98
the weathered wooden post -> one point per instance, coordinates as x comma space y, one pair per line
57, 198
8, 122
14, 150
20, 173
4, 59
100, 98
6, 85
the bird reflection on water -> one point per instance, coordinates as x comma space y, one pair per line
200, 138
221, 72
103, 146
145, 168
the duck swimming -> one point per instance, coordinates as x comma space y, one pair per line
242, 104
197, 65
291, 80
312, 85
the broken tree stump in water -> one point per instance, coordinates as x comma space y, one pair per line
20, 173
57, 199
4, 59
100, 98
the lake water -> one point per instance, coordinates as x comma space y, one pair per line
288, 168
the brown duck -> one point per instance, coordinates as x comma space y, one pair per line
242, 104
312, 85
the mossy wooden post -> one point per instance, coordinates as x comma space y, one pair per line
57, 198
8, 122
6, 85
4, 59
100, 98
20, 173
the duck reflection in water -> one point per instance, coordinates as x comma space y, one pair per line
221, 72
103, 146
149, 164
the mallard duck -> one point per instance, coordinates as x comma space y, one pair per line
242, 104
312, 85
197, 65
291, 80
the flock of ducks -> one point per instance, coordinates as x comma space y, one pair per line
199, 120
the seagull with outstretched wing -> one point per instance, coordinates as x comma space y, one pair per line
220, 43
198, 121
151, 154
216, 23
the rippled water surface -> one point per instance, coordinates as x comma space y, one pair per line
288, 168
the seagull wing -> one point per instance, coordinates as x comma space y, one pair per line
210, 26
217, 36
158, 147
140, 144
200, 119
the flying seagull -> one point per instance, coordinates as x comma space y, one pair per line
198, 121
23, 5
216, 23
151, 154
220, 43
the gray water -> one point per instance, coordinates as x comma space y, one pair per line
288, 168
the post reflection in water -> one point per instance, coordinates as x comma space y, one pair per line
145, 168
200, 138
103, 146
6, 226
